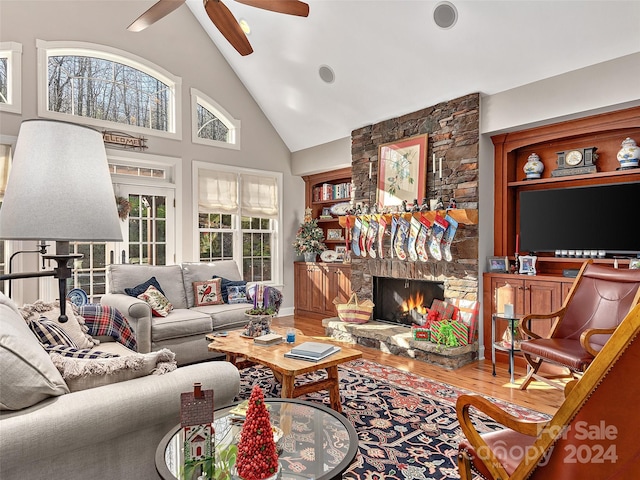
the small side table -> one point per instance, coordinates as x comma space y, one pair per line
512, 322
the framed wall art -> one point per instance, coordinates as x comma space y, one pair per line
334, 234
341, 252
402, 171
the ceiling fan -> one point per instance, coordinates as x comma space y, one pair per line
221, 17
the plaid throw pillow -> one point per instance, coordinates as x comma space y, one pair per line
77, 353
49, 333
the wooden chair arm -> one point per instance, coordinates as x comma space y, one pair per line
526, 331
465, 402
587, 334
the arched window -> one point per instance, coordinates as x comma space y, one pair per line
211, 124
10, 77
107, 88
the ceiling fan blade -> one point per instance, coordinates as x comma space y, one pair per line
222, 18
290, 7
159, 10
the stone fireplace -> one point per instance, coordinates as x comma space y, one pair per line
453, 130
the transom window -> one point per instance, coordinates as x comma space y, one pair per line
212, 124
107, 87
238, 218
10, 77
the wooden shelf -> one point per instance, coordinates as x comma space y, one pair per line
460, 215
589, 176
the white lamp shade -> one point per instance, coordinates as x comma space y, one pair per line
59, 187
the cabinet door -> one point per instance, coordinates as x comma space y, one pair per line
316, 275
302, 297
542, 297
338, 286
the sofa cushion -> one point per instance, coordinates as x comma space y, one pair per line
28, 375
160, 305
81, 374
75, 325
197, 272
139, 289
207, 292
168, 276
181, 323
49, 333
226, 316
237, 294
226, 283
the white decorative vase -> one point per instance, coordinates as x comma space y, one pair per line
629, 154
534, 167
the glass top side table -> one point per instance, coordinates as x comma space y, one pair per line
311, 431
512, 323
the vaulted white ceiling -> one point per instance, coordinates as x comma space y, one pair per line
390, 58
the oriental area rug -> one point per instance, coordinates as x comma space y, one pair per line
406, 424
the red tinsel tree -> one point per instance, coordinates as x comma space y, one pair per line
257, 455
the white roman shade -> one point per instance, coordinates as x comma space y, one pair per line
259, 196
217, 192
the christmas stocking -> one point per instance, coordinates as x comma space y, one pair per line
437, 232
364, 231
394, 232
421, 243
447, 238
372, 236
401, 238
355, 236
414, 229
382, 228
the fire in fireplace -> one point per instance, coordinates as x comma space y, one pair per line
404, 301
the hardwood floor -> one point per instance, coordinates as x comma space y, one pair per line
476, 376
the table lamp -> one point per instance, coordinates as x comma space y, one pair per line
59, 189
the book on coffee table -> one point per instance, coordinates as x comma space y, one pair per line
268, 339
312, 351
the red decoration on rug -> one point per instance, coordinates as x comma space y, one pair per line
257, 455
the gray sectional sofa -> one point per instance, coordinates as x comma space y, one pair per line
183, 330
48, 430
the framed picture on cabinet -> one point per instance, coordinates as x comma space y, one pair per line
334, 234
497, 264
634, 263
528, 264
341, 252
402, 171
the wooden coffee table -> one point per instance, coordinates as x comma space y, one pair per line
238, 348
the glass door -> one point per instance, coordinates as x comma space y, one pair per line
148, 233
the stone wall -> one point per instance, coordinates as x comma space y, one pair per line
453, 129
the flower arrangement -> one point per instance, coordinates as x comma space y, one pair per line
309, 237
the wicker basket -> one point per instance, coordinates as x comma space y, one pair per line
354, 311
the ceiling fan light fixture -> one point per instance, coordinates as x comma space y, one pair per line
445, 15
244, 25
326, 74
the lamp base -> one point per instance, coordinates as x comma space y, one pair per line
62, 272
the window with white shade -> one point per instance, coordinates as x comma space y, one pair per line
239, 218
10, 77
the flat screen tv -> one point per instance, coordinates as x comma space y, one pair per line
598, 217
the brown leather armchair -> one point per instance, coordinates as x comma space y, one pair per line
593, 434
600, 298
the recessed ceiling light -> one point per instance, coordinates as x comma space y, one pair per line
244, 25
326, 74
445, 15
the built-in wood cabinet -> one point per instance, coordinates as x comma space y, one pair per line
317, 285
323, 191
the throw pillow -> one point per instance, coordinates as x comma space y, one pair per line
226, 283
207, 292
49, 333
74, 327
237, 294
27, 374
160, 305
138, 289
81, 374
